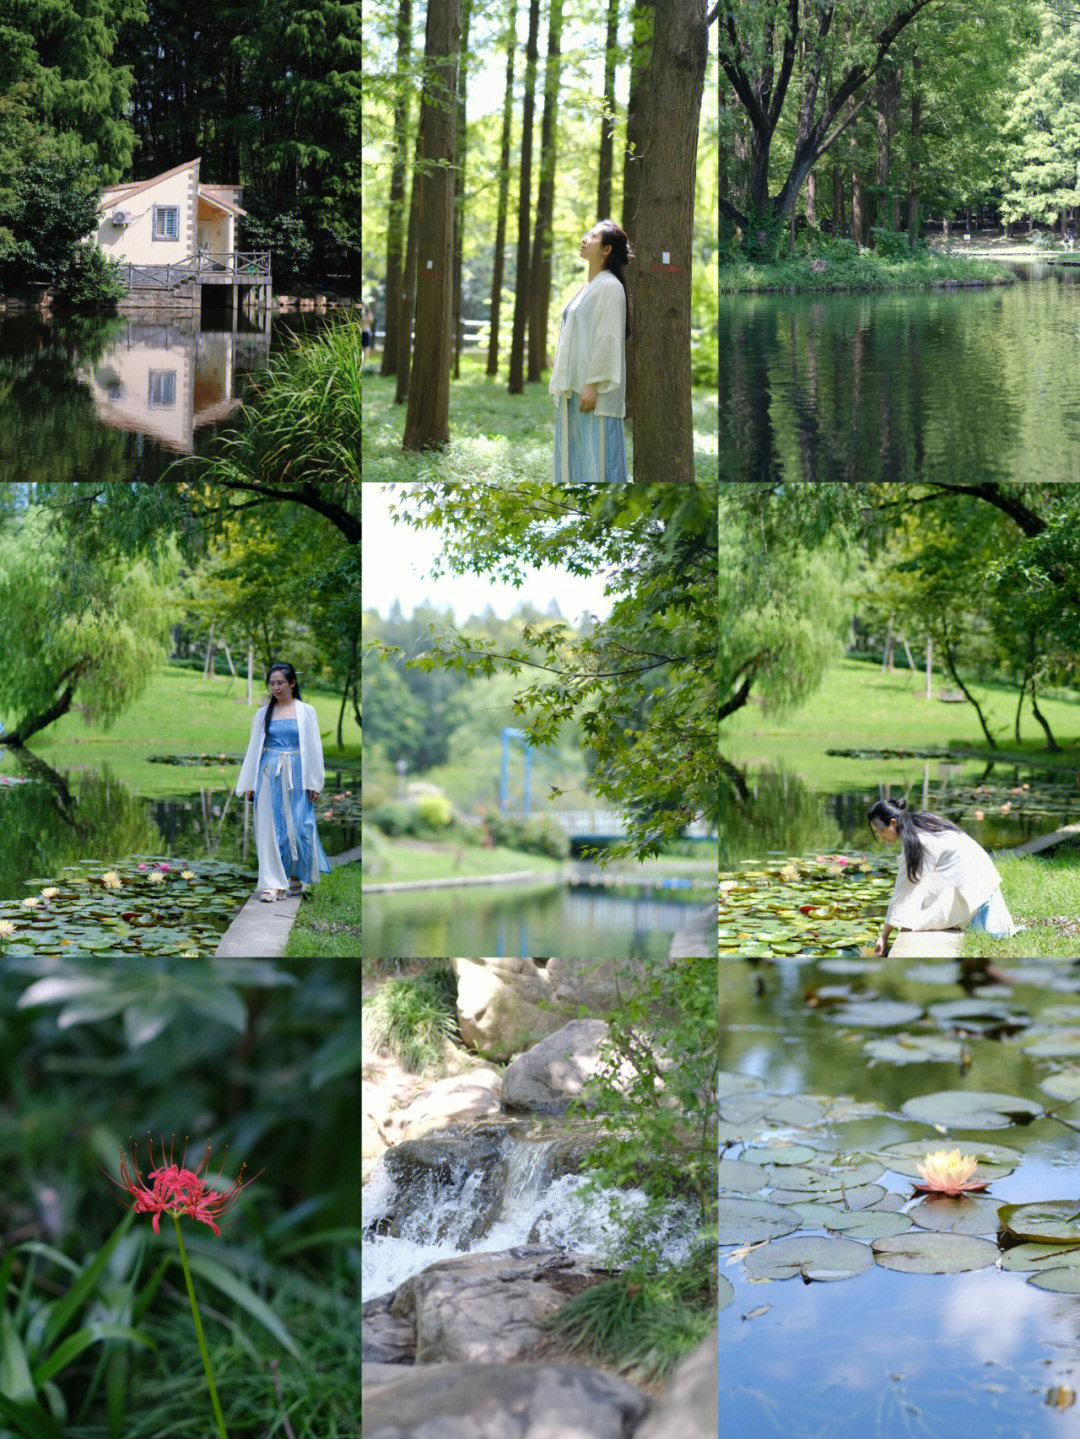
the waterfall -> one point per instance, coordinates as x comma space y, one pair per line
515, 1201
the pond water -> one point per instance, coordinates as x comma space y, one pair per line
89, 398
905, 385
825, 1108
94, 813
505, 919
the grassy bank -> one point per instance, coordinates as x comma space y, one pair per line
414, 859
493, 435
181, 713
859, 707
1043, 895
862, 270
328, 921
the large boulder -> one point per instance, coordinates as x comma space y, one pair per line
503, 1004
427, 1172
689, 1406
547, 1077
498, 1401
457, 1099
489, 1308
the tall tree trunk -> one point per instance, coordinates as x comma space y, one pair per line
1051, 742
839, 220
640, 55
662, 271
408, 280
540, 266
950, 663
916, 148
811, 200
504, 192
858, 207
395, 218
888, 91
427, 423
32, 723
459, 180
607, 123
521, 274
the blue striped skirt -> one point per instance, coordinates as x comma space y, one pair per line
589, 449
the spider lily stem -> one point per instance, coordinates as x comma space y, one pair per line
218, 1416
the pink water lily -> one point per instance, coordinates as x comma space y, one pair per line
949, 1172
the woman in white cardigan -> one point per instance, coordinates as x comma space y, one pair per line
588, 380
945, 879
283, 774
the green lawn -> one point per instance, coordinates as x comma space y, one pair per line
494, 435
181, 713
328, 921
1043, 894
402, 860
858, 706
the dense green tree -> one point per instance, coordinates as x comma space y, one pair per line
641, 683
1043, 125
48, 209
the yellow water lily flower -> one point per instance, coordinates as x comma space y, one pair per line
187, 874
50, 893
6, 928
31, 903
949, 1172
111, 880
156, 877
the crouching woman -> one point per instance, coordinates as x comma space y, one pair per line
945, 879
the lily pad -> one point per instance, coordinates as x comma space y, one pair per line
749, 1221
916, 1049
862, 1196
725, 1292
1058, 1281
1033, 1258
926, 1252
971, 1109
963, 1215
1065, 1084
742, 1178
809, 1257
1045, 1221
872, 1223
783, 1154
728, 1083
878, 1013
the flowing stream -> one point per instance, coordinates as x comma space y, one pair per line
516, 1196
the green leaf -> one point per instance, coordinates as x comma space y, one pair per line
971, 1109
809, 1257
919, 1252
1046, 1221
235, 1289
65, 1308
75, 1343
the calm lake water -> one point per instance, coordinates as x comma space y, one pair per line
513, 920
979, 384
884, 1354
95, 814
86, 398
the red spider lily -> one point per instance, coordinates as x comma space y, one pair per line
176, 1190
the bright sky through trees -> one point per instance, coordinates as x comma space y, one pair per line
397, 563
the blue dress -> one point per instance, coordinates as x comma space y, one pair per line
285, 831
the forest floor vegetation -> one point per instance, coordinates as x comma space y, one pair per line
841, 265
493, 435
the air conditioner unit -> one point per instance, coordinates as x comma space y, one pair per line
121, 217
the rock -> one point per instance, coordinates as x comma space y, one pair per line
385, 1338
488, 1307
496, 1401
454, 1100
818, 267
504, 1003
428, 1172
552, 1073
689, 1406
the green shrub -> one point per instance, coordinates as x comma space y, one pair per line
434, 810
89, 281
394, 817
891, 244
413, 1018
537, 835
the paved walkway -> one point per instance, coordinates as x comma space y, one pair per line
261, 931
697, 938
926, 944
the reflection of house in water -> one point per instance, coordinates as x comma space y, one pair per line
166, 380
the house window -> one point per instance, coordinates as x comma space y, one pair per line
162, 389
166, 222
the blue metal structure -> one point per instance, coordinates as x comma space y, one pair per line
504, 786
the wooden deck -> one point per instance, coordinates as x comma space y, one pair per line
237, 267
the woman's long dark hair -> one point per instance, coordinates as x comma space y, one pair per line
290, 675
908, 824
621, 255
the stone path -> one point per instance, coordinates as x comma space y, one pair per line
261, 931
926, 944
697, 936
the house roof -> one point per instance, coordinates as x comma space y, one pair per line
113, 194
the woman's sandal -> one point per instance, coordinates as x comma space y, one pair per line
296, 886
268, 896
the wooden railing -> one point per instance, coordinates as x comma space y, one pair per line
232, 266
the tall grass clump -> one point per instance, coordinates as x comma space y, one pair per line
413, 1018
301, 420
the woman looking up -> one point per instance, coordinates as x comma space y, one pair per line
946, 880
588, 380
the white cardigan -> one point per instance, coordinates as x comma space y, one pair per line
311, 757
957, 877
592, 346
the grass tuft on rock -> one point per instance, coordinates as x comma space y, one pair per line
414, 1018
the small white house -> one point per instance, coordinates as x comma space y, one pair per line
168, 218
